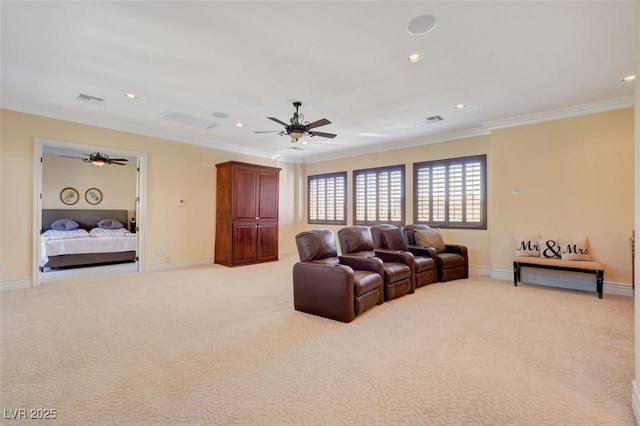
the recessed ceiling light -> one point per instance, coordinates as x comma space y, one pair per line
414, 57
460, 106
422, 24
629, 78
130, 96
239, 124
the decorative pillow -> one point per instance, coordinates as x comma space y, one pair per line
574, 248
393, 239
527, 246
549, 248
64, 225
430, 238
109, 224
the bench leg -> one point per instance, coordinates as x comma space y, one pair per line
516, 273
599, 281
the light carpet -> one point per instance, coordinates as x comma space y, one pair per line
224, 346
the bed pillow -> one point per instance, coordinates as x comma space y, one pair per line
527, 246
109, 224
430, 238
64, 225
549, 248
574, 248
394, 240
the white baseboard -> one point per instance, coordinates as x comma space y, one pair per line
501, 274
178, 264
635, 400
18, 284
480, 270
564, 279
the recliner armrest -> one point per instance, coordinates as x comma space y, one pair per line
373, 264
399, 256
456, 248
325, 290
423, 251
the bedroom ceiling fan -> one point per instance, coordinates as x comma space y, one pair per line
298, 127
99, 159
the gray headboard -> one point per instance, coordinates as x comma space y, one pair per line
86, 218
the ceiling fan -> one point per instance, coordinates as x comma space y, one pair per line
298, 127
99, 159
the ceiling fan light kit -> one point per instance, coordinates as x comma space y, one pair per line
99, 160
298, 127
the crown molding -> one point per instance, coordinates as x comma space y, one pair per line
560, 113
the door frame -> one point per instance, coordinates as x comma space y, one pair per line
141, 196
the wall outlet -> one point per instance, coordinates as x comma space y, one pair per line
1, 266
515, 191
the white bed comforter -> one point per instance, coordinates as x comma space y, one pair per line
65, 244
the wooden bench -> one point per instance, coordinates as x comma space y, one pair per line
586, 266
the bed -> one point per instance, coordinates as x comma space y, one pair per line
89, 244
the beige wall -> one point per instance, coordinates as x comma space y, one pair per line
575, 178
174, 171
117, 183
477, 241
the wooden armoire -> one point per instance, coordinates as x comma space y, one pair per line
246, 213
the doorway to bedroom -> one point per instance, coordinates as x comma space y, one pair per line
68, 184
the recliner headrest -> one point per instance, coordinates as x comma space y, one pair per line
316, 244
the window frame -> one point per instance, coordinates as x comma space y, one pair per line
402, 201
336, 201
447, 163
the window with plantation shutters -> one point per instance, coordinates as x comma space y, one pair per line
451, 193
327, 198
378, 196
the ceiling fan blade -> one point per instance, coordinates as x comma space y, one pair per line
268, 131
322, 122
278, 121
115, 162
323, 134
118, 159
69, 156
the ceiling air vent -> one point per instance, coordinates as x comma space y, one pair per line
90, 99
434, 119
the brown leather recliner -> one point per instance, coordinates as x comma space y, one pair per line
332, 286
357, 241
391, 237
453, 259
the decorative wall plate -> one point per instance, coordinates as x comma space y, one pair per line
69, 196
93, 196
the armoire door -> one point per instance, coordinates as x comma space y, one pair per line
267, 242
245, 243
245, 194
268, 196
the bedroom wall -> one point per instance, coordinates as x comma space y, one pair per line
174, 171
117, 183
